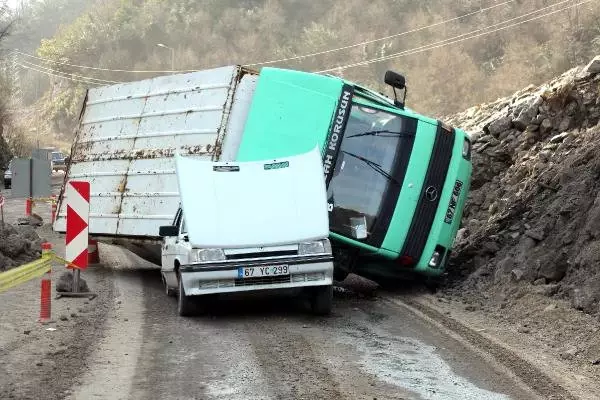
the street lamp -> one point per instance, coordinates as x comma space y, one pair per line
172, 54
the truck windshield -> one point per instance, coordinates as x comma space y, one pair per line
368, 173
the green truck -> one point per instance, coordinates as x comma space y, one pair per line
397, 181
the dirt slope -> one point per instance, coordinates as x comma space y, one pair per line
533, 215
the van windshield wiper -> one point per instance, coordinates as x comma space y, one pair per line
375, 166
382, 133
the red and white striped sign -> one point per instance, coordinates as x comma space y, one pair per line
78, 211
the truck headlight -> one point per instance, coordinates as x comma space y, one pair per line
466, 150
436, 258
434, 262
319, 247
207, 255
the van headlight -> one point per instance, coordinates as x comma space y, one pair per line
208, 255
318, 247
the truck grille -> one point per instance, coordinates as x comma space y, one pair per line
266, 280
430, 195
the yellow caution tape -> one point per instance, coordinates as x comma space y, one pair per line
25, 273
32, 270
63, 261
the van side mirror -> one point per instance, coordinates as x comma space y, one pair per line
168, 230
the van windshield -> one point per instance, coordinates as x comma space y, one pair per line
369, 171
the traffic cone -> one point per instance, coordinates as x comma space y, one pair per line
46, 290
93, 252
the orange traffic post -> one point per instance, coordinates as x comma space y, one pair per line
93, 252
46, 290
28, 206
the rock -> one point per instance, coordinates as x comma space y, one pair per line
499, 125
517, 274
580, 300
572, 108
528, 113
565, 124
569, 353
550, 290
65, 283
594, 66
523, 329
550, 307
63, 317
539, 281
536, 234
545, 126
559, 138
553, 267
490, 247
26, 332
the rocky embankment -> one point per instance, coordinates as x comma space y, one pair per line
18, 245
533, 214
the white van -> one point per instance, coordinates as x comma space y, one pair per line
248, 226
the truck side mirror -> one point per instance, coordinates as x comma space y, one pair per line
168, 230
396, 81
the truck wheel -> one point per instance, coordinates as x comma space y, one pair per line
340, 274
184, 303
321, 300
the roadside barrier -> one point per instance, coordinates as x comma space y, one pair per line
41, 267
30, 204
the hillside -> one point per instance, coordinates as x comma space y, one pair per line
445, 75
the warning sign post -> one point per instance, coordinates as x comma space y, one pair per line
76, 239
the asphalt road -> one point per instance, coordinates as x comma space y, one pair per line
129, 343
263, 347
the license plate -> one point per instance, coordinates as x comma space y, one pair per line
453, 202
259, 272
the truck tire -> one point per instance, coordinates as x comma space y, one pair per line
184, 303
321, 300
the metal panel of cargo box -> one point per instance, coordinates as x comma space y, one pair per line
126, 139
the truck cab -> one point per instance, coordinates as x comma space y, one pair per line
397, 181
253, 226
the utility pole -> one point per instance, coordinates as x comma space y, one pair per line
172, 55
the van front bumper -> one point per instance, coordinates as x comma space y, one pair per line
224, 277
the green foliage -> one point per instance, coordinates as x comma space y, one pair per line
122, 34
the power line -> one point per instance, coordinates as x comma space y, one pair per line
482, 10
386, 37
58, 76
102, 69
459, 38
68, 73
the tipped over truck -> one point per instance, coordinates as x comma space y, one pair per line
396, 180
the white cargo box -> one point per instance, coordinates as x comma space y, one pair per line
127, 137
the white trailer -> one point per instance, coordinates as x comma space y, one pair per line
128, 134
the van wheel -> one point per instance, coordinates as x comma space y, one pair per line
322, 299
169, 291
184, 303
